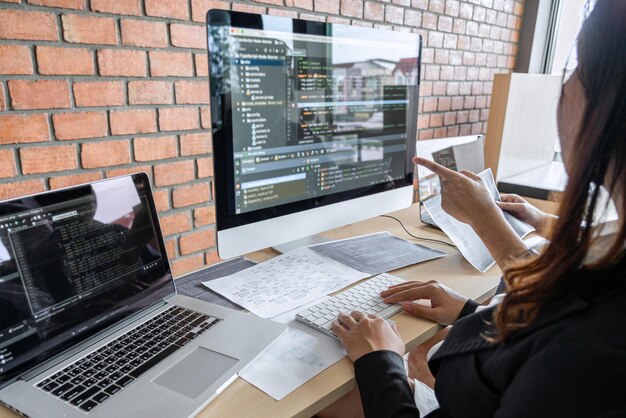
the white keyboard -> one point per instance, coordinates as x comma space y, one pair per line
364, 297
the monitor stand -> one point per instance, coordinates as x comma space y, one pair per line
302, 242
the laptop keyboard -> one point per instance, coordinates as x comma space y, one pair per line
95, 378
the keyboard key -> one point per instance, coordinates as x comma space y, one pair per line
50, 386
82, 397
124, 381
77, 380
63, 378
100, 397
112, 390
89, 382
105, 383
62, 389
88, 406
72, 392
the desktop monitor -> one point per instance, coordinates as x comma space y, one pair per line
314, 126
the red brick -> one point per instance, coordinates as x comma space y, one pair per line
16, 129
200, 7
182, 266
300, 4
66, 181
194, 144
99, 93
122, 63
170, 248
394, 14
89, 29
161, 200
104, 154
352, 8
205, 167
37, 160
247, 8
320, 18
374, 11
129, 170
188, 36
192, 92
177, 9
284, 13
191, 195
212, 257
175, 224
174, 173
80, 125
143, 33
204, 216
149, 149
20, 24
164, 64
15, 59
7, 163
20, 188
136, 121
150, 92
65, 4
205, 117
327, 6
196, 241
40, 94
3, 104
202, 65
64, 61
178, 118
121, 7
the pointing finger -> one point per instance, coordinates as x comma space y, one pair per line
438, 169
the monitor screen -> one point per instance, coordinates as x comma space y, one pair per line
307, 114
72, 262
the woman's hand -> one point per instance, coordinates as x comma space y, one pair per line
445, 303
464, 195
526, 212
361, 334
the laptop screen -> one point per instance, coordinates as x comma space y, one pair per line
74, 261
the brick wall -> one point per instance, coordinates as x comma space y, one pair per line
96, 88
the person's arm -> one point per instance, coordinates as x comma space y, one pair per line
571, 380
466, 197
383, 385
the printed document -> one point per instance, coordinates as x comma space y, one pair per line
285, 282
293, 359
376, 253
191, 284
463, 235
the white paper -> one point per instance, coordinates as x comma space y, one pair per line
285, 282
463, 235
297, 356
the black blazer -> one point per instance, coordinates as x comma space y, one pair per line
571, 362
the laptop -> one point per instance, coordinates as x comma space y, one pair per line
90, 322
456, 153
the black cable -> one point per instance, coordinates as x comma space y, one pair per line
415, 236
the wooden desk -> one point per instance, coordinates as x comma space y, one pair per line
244, 400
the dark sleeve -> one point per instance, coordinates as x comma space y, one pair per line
469, 308
384, 388
571, 380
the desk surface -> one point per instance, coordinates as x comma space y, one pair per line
244, 400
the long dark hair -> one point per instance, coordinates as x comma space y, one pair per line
598, 157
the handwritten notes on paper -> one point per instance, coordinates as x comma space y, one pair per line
285, 282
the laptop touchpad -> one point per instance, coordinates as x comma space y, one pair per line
195, 372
